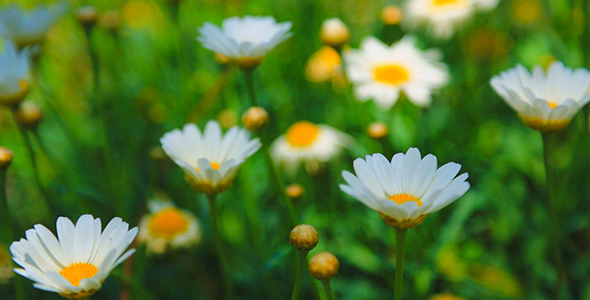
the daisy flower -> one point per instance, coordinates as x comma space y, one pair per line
75, 264
168, 226
443, 16
545, 102
305, 142
380, 72
245, 41
15, 79
407, 189
27, 28
210, 160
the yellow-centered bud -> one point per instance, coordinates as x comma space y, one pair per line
377, 130
392, 15
323, 266
255, 118
304, 237
28, 115
87, 16
5, 158
294, 191
334, 33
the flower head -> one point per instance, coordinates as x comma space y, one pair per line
308, 143
334, 32
546, 102
27, 28
443, 16
168, 226
245, 41
209, 159
324, 266
406, 189
380, 72
14, 74
323, 65
76, 263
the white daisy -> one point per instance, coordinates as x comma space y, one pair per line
168, 226
27, 28
546, 102
305, 142
14, 74
245, 41
76, 265
380, 72
209, 160
406, 189
443, 16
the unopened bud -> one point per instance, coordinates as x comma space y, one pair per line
5, 158
334, 33
255, 118
304, 237
28, 115
294, 191
323, 266
87, 16
377, 130
227, 118
392, 15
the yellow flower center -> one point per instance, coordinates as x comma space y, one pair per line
391, 74
302, 134
215, 166
403, 198
552, 105
444, 2
167, 223
77, 272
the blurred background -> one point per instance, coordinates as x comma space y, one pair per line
110, 90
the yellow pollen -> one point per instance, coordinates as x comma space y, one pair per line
77, 272
302, 134
215, 166
443, 2
167, 223
391, 74
552, 105
403, 198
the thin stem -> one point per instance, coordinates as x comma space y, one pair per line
249, 77
279, 185
7, 233
586, 44
301, 263
328, 289
400, 240
554, 220
222, 258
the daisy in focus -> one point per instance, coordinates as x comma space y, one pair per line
544, 101
15, 80
244, 41
75, 264
167, 226
28, 28
209, 159
380, 72
442, 16
308, 143
407, 189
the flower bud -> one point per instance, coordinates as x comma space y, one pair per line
87, 16
5, 158
294, 191
157, 153
254, 118
304, 237
28, 115
377, 130
391, 15
227, 118
334, 33
323, 266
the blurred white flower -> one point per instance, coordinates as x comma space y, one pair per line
168, 226
380, 72
442, 16
406, 189
245, 41
76, 265
14, 74
545, 102
323, 65
27, 28
209, 160
305, 142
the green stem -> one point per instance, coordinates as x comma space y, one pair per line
328, 289
302, 262
7, 233
279, 185
249, 77
586, 45
222, 258
554, 220
400, 240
